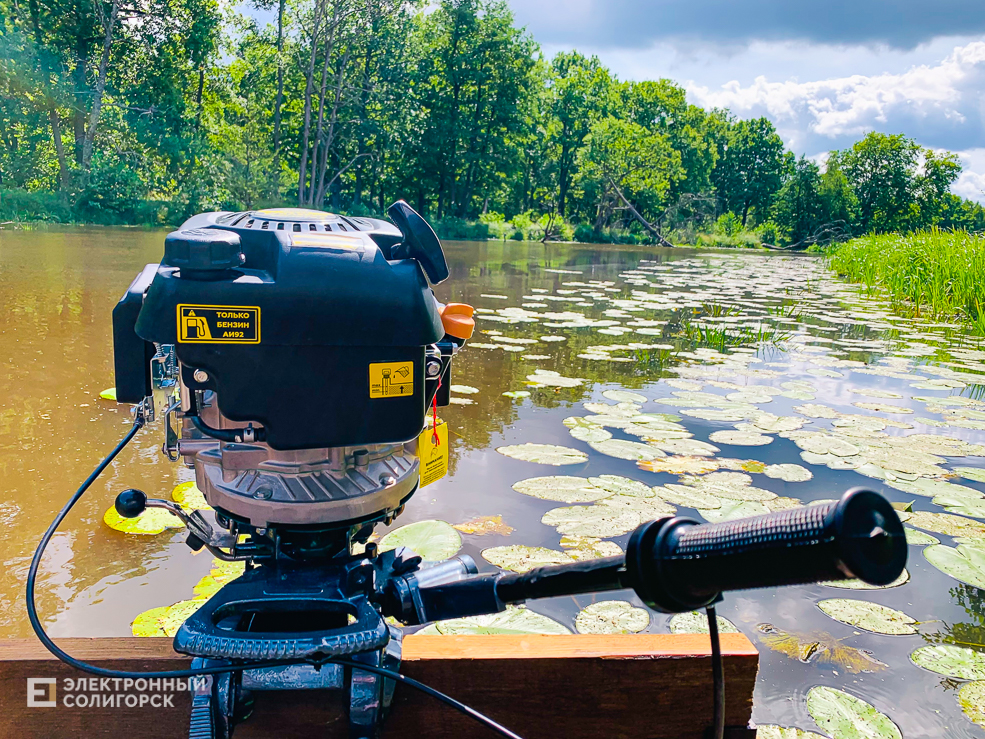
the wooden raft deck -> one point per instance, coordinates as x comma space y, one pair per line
571, 687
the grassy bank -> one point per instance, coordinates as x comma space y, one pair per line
938, 274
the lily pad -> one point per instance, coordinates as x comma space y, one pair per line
611, 617
520, 558
622, 486
544, 454
731, 509
562, 488
689, 447
947, 524
514, 620
788, 472
188, 496
971, 473
165, 621
680, 465
464, 389
772, 731
110, 394
553, 379
818, 646
590, 434
868, 616
884, 408
432, 540
740, 438
696, 622
484, 525
860, 585
965, 563
624, 396
151, 521
623, 449
649, 509
917, 538
971, 698
598, 521
589, 547
842, 715
951, 660
517, 394
688, 497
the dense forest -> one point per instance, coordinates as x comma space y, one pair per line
146, 111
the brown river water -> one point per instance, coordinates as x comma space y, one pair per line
766, 359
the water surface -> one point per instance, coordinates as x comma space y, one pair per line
634, 319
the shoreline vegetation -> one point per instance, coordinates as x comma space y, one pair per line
933, 274
112, 116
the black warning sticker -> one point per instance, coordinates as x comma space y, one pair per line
218, 324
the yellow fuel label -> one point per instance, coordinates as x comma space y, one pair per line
433, 453
391, 379
218, 324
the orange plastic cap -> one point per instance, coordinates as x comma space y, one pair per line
457, 320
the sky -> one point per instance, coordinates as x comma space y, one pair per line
825, 72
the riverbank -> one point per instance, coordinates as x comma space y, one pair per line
938, 274
22, 209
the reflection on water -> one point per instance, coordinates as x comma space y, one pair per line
684, 329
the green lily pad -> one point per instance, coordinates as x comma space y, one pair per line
108, 394
788, 472
590, 434
520, 558
589, 547
464, 389
151, 521
553, 379
844, 716
623, 449
517, 394
860, 585
562, 488
962, 506
971, 473
696, 622
917, 538
772, 731
432, 540
971, 698
965, 563
189, 497
649, 509
732, 509
688, 447
618, 485
740, 438
165, 621
514, 620
947, 524
680, 465
598, 521
544, 454
688, 497
624, 396
611, 617
868, 616
951, 660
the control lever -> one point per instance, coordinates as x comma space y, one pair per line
131, 503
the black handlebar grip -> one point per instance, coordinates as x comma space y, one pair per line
677, 564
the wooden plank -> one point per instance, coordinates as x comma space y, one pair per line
644, 685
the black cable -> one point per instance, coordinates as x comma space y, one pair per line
717, 675
32, 614
446, 699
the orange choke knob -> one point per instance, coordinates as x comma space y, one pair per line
457, 320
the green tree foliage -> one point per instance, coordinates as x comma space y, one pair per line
751, 167
123, 111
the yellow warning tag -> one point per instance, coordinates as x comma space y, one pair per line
218, 324
434, 456
391, 379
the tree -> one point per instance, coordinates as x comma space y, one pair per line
750, 169
628, 168
799, 209
882, 172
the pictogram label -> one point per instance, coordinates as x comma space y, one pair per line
218, 324
391, 379
433, 453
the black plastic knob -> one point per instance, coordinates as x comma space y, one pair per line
131, 503
201, 250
